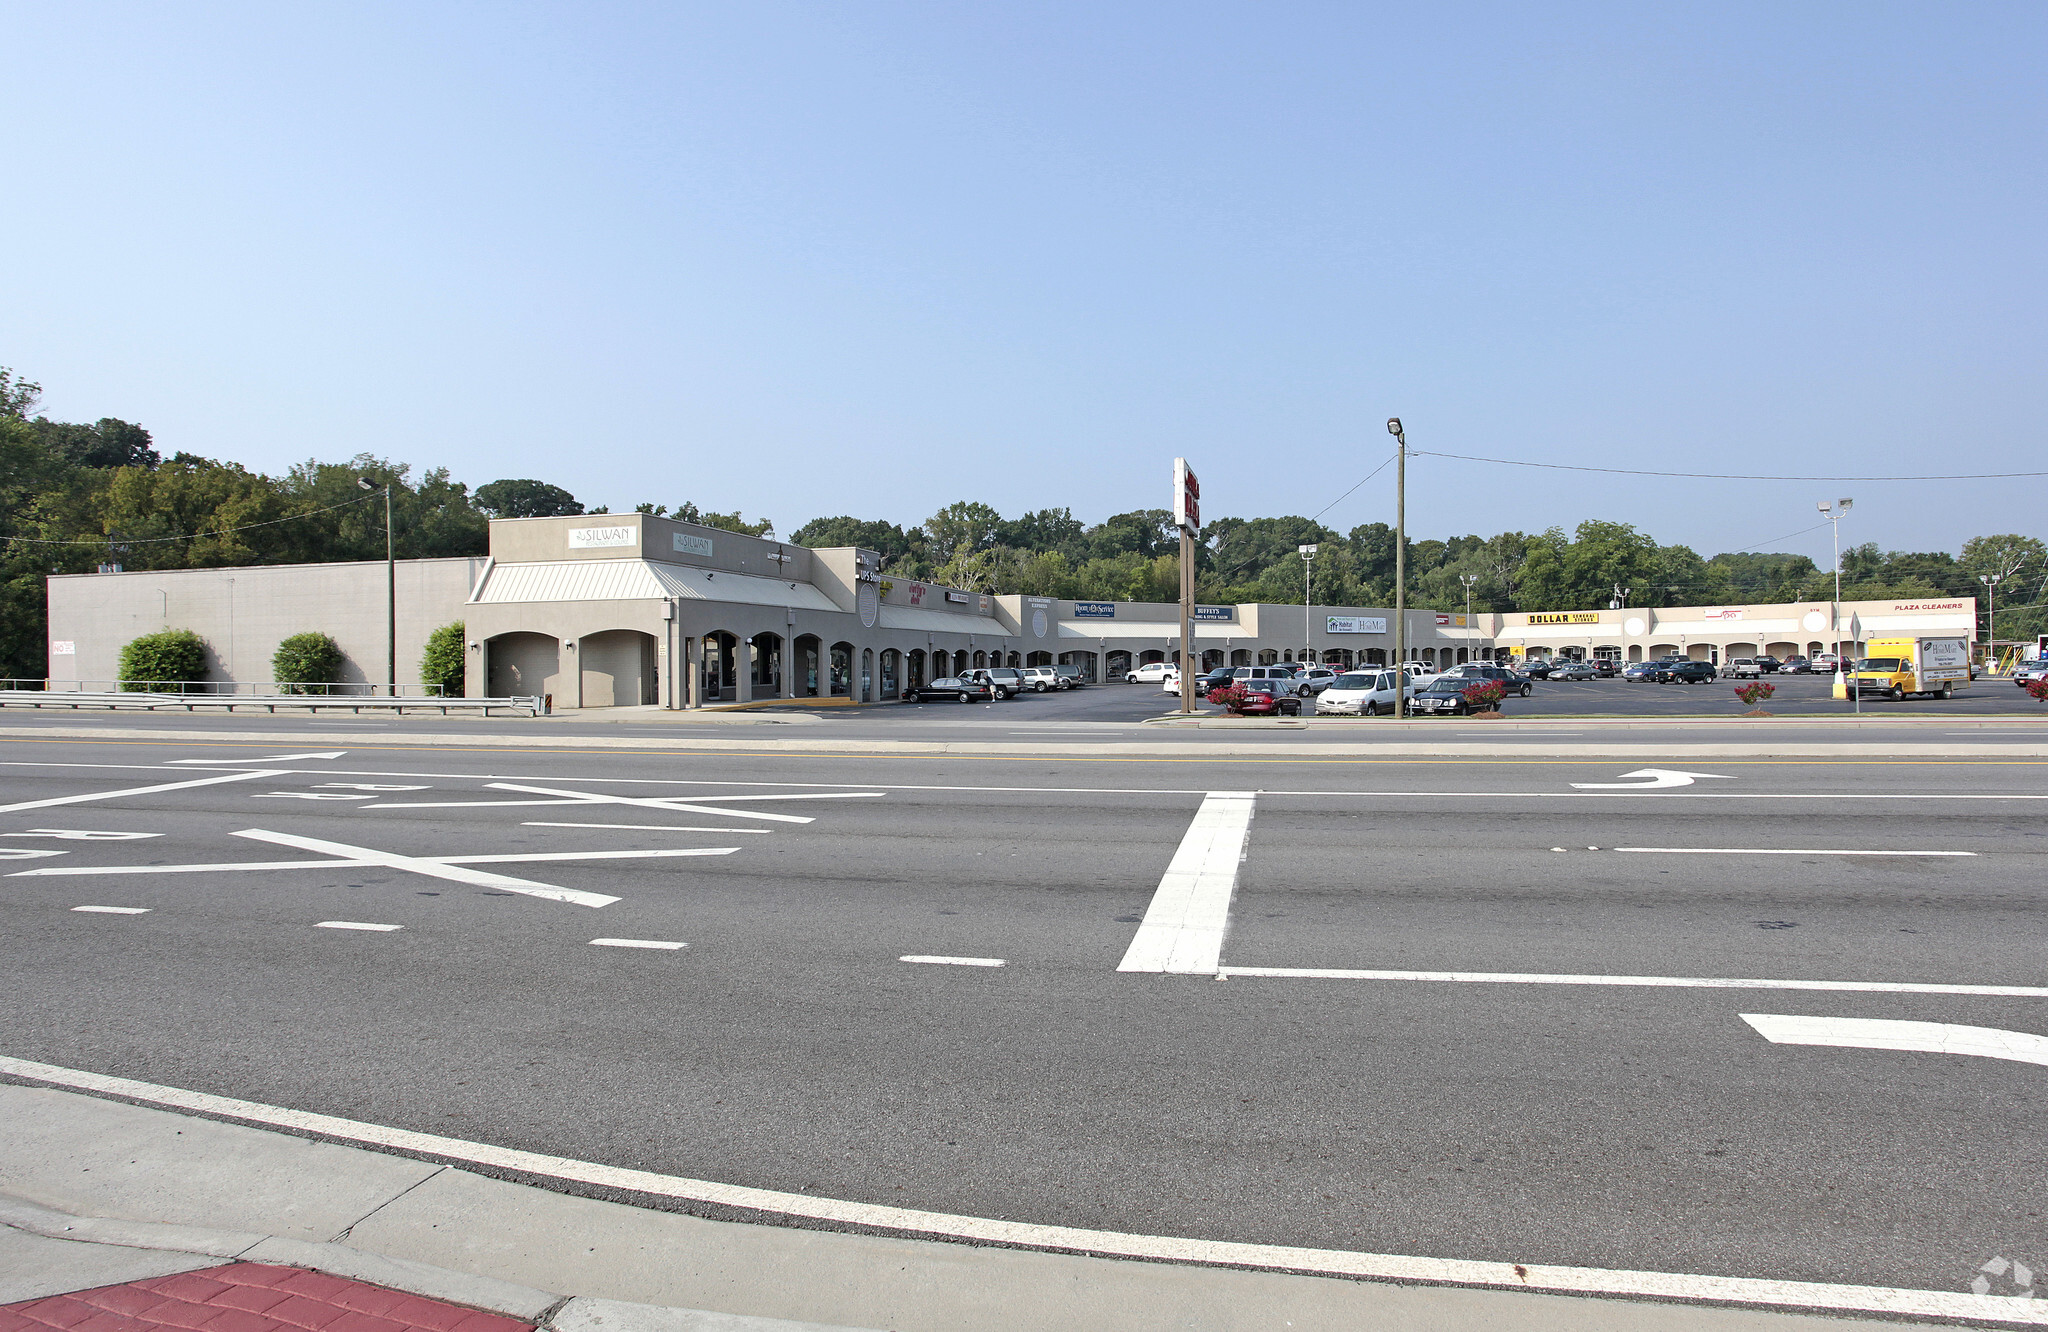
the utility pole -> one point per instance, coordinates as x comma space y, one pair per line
1400, 566
390, 591
1991, 582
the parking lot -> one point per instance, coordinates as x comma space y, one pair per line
1793, 696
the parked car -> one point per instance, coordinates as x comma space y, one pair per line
1038, 679
1768, 665
1686, 672
1445, 697
2030, 670
1266, 698
1796, 666
959, 687
1473, 672
1574, 670
1744, 668
1359, 694
1640, 671
1071, 677
1606, 667
1007, 681
1826, 663
1151, 672
1311, 681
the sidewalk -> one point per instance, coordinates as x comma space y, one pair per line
118, 1200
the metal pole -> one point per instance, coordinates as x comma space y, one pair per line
390, 599
1187, 620
1400, 568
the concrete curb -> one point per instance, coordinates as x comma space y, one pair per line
544, 1308
1191, 751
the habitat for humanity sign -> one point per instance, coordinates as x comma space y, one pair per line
1355, 624
1095, 610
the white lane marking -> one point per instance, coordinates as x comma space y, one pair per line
1886, 1034
28, 853
82, 835
308, 795
505, 859
644, 827
1958, 1305
456, 873
117, 911
373, 786
1759, 851
954, 961
667, 853
1183, 928
666, 804
355, 925
638, 943
811, 795
1669, 982
215, 780
1660, 779
953, 789
274, 758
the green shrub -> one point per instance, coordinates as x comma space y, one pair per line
306, 663
445, 660
169, 657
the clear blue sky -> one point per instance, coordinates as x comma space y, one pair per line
804, 259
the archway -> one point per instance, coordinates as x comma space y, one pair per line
1119, 664
842, 670
980, 660
1212, 658
1241, 657
617, 668
1268, 657
721, 667
892, 672
1085, 660
803, 666
917, 675
1039, 659
767, 665
1150, 656
522, 665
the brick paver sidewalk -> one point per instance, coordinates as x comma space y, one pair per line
248, 1297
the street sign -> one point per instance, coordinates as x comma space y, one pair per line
1187, 497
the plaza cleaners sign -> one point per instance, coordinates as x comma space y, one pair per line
589, 538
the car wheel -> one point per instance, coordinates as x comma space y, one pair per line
1371, 710
966, 697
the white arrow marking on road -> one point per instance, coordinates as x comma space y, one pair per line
1887, 1034
136, 790
1660, 779
274, 758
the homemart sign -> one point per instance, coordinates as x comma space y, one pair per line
1354, 624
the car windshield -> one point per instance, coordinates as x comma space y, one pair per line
1354, 681
1878, 664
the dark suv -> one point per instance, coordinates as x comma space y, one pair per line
1686, 672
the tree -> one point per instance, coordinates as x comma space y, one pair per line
18, 397
105, 443
888, 540
725, 522
524, 498
306, 663
961, 528
2005, 556
170, 657
443, 665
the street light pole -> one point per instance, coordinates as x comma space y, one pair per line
1400, 566
390, 591
1833, 513
1308, 555
1468, 580
1991, 582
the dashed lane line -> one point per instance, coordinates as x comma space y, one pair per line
1183, 927
663, 944
1773, 851
1665, 982
116, 911
643, 827
953, 961
1962, 1306
356, 925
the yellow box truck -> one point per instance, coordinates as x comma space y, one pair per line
1898, 667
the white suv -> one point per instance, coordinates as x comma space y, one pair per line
1038, 679
1152, 672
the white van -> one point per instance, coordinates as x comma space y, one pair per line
1360, 694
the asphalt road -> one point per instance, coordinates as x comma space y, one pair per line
788, 1046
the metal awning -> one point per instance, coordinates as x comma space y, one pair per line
919, 620
1140, 630
641, 580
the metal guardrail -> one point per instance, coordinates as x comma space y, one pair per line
258, 688
156, 702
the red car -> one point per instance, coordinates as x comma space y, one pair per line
1265, 698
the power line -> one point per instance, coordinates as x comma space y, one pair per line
1347, 494
193, 536
1716, 476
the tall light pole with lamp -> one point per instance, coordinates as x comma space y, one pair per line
1833, 513
1991, 582
390, 591
1308, 556
1468, 580
1400, 565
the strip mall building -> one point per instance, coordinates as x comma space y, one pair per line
600, 611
